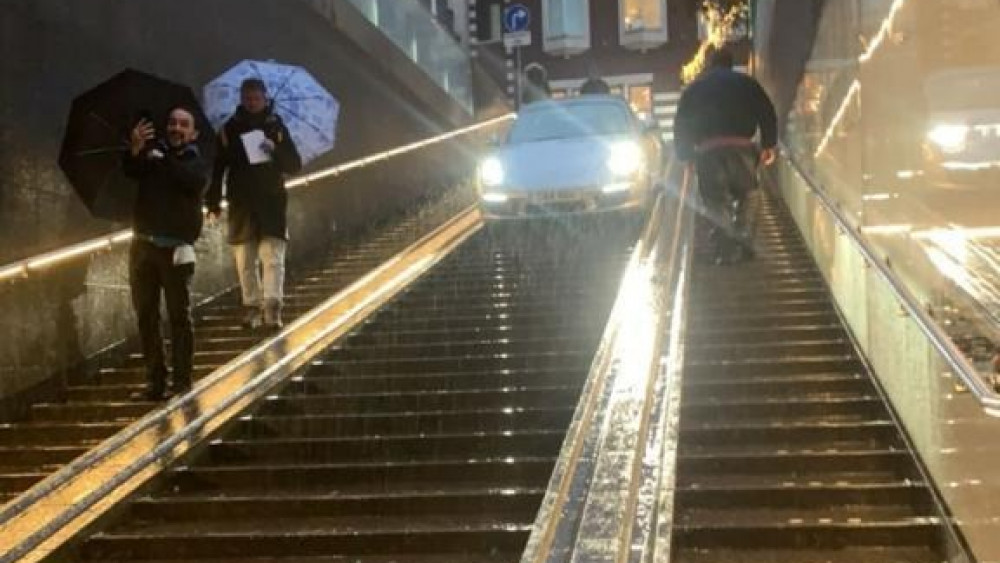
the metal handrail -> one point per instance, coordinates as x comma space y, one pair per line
22, 269
562, 509
263, 380
956, 360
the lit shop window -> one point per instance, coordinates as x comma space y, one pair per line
642, 24
641, 100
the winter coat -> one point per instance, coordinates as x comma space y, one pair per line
723, 103
256, 192
168, 203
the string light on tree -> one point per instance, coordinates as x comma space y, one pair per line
723, 21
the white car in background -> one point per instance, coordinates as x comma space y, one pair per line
574, 155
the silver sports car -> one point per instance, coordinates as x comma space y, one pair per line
574, 155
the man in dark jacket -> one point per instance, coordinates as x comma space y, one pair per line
595, 85
717, 118
167, 219
256, 150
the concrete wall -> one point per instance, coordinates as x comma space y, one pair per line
50, 50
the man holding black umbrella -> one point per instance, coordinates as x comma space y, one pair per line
172, 175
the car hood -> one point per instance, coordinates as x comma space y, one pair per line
558, 164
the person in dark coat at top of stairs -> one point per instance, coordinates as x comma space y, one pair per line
718, 116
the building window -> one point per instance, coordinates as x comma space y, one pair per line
642, 14
370, 9
496, 22
640, 97
489, 21
642, 24
566, 26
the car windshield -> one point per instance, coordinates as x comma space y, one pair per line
564, 121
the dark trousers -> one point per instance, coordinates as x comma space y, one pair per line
152, 272
726, 178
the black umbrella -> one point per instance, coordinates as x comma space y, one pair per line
97, 136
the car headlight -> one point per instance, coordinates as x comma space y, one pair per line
616, 187
495, 197
625, 158
949, 138
491, 173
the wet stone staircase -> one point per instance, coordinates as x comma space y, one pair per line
426, 435
787, 451
98, 405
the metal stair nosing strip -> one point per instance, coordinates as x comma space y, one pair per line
52, 512
594, 508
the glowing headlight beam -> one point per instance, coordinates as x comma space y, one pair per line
949, 137
491, 172
493, 197
616, 187
625, 158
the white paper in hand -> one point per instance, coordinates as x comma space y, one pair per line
252, 142
184, 254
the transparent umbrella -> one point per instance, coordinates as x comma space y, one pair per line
309, 111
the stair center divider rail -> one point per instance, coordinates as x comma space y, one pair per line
56, 509
24, 268
956, 360
611, 489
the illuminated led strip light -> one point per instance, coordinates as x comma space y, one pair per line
24, 268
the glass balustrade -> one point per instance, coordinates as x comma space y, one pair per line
411, 27
897, 121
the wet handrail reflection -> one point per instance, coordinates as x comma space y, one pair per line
572, 523
956, 360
